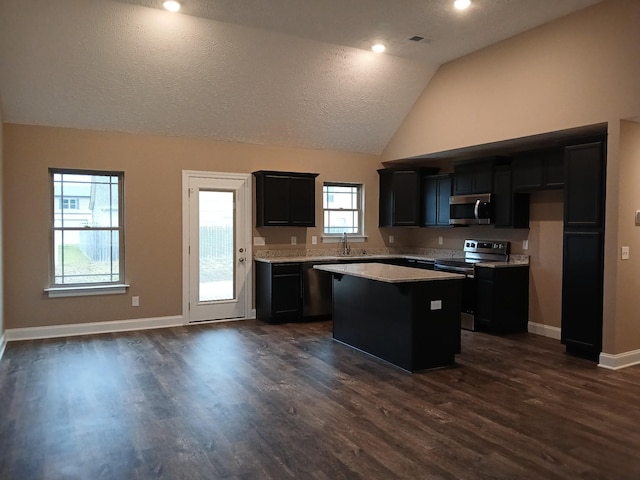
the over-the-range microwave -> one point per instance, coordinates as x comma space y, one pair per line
474, 209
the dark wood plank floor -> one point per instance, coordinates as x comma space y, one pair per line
246, 400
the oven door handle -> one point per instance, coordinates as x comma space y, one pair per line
476, 210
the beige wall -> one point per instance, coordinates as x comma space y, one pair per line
583, 69
153, 212
628, 282
1, 229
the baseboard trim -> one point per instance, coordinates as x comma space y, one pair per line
621, 360
54, 331
544, 330
3, 344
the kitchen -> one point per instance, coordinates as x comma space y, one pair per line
516, 405
453, 112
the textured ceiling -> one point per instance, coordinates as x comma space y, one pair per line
285, 72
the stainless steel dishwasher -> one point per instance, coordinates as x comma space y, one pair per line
316, 291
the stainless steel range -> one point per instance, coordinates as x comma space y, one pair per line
475, 251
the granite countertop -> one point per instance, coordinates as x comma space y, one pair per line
330, 258
514, 260
387, 273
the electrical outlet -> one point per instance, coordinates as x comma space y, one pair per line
294, 240
314, 240
625, 253
440, 240
135, 301
525, 244
391, 239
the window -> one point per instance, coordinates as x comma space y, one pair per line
70, 203
87, 231
342, 204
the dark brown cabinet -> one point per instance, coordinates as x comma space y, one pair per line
510, 209
435, 193
583, 248
285, 199
502, 299
399, 198
278, 291
538, 170
473, 177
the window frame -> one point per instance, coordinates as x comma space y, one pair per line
336, 237
86, 288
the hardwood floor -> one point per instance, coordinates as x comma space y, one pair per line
247, 400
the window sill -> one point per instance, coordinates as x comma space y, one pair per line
340, 238
56, 292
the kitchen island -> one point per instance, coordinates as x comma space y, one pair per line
406, 316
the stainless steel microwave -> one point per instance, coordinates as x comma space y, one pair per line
475, 209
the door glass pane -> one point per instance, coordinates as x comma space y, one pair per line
216, 246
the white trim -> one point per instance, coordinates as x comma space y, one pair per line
338, 238
621, 360
54, 331
248, 241
544, 330
3, 344
86, 290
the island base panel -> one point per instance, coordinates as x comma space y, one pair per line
395, 321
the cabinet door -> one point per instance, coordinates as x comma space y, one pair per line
385, 205
554, 169
483, 178
584, 190
502, 198
444, 192
429, 202
528, 172
302, 203
275, 200
463, 180
406, 201
582, 288
286, 291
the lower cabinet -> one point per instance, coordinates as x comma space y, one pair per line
502, 301
582, 285
278, 291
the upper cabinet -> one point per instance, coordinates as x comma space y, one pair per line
285, 199
436, 190
473, 177
399, 197
538, 170
510, 209
584, 194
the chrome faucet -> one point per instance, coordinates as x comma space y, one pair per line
345, 244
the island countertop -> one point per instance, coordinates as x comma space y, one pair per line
387, 273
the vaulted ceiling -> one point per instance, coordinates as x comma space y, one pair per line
285, 72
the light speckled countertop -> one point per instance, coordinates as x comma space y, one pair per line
514, 260
388, 273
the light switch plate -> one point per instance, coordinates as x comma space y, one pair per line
525, 244
440, 241
314, 240
294, 240
391, 239
625, 253
637, 217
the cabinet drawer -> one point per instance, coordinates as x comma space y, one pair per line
286, 269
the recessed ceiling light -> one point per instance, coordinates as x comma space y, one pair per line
462, 4
378, 48
171, 5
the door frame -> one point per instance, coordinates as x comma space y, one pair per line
248, 224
